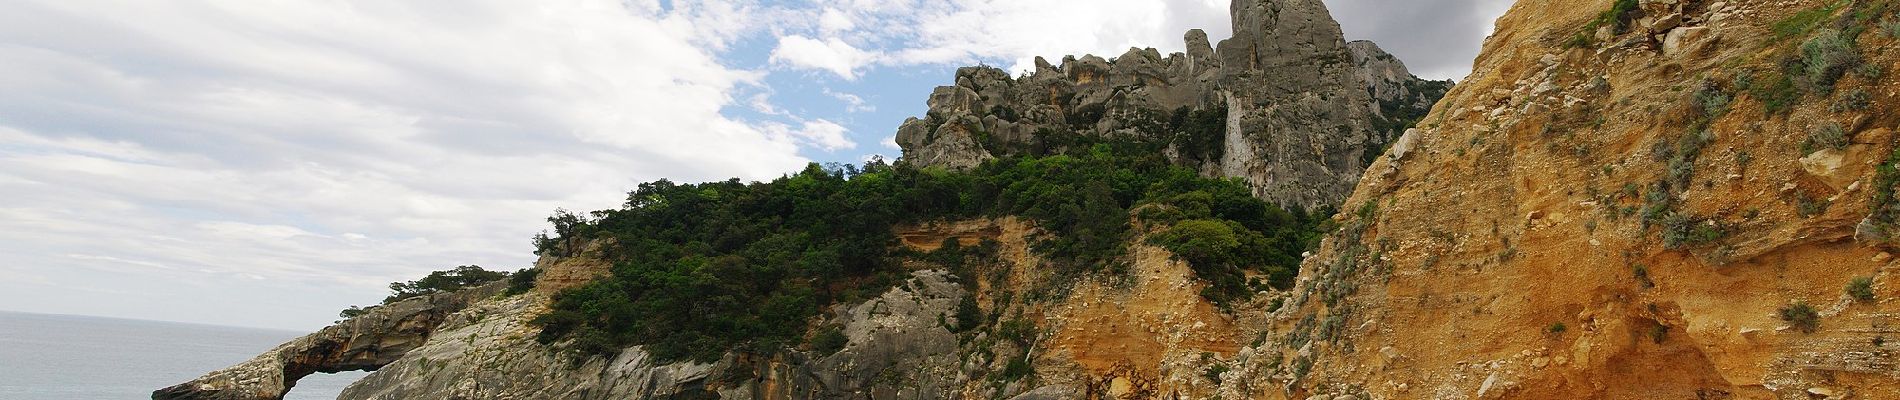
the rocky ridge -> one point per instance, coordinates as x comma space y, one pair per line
1294, 109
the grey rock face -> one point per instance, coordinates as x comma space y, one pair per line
383, 335
1392, 86
1303, 118
897, 348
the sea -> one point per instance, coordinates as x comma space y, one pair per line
58, 357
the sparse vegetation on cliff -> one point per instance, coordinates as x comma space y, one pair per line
1801, 316
1861, 288
443, 281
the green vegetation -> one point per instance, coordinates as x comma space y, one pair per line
1618, 18
829, 340
1853, 100
1557, 328
1830, 135
444, 281
1200, 135
1885, 211
522, 281
1802, 22
1862, 289
459, 278
1825, 58
1681, 231
700, 269
1777, 93
1212, 373
1802, 316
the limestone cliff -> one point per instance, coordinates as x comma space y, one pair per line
1625, 200
1301, 111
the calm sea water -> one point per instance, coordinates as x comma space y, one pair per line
56, 357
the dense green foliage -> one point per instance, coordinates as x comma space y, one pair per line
522, 281
704, 268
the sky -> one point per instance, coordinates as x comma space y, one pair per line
265, 163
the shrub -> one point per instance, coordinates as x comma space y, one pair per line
352, 312
1853, 100
1712, 101
829, 340
1802, 316
1861, 288
1809, 207
1557, 328
1017, 368
1827, 57
522, 281
969, 316
1212, 373
1829, 135
1680, 231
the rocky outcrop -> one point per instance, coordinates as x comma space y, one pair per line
897, 348
364, 343
1293, 112
1619, 206
1398, 96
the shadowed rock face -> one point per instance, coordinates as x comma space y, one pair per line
364, 343
1301, 116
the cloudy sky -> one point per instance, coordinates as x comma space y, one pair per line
265, 163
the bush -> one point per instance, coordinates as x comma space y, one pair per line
1017, 368
1827, 57
1861, 288
829, 340
1680, 231
1712, 101
1828, 136
1557, 328
522, 281
1854, 100
1212, 373
1802, 316
969, 316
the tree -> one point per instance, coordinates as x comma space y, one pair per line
442, 282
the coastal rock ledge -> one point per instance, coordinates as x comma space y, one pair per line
364, 343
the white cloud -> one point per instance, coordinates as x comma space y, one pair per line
852, 103
818, 133
328, 148
830, 54
833, 21
927, 32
